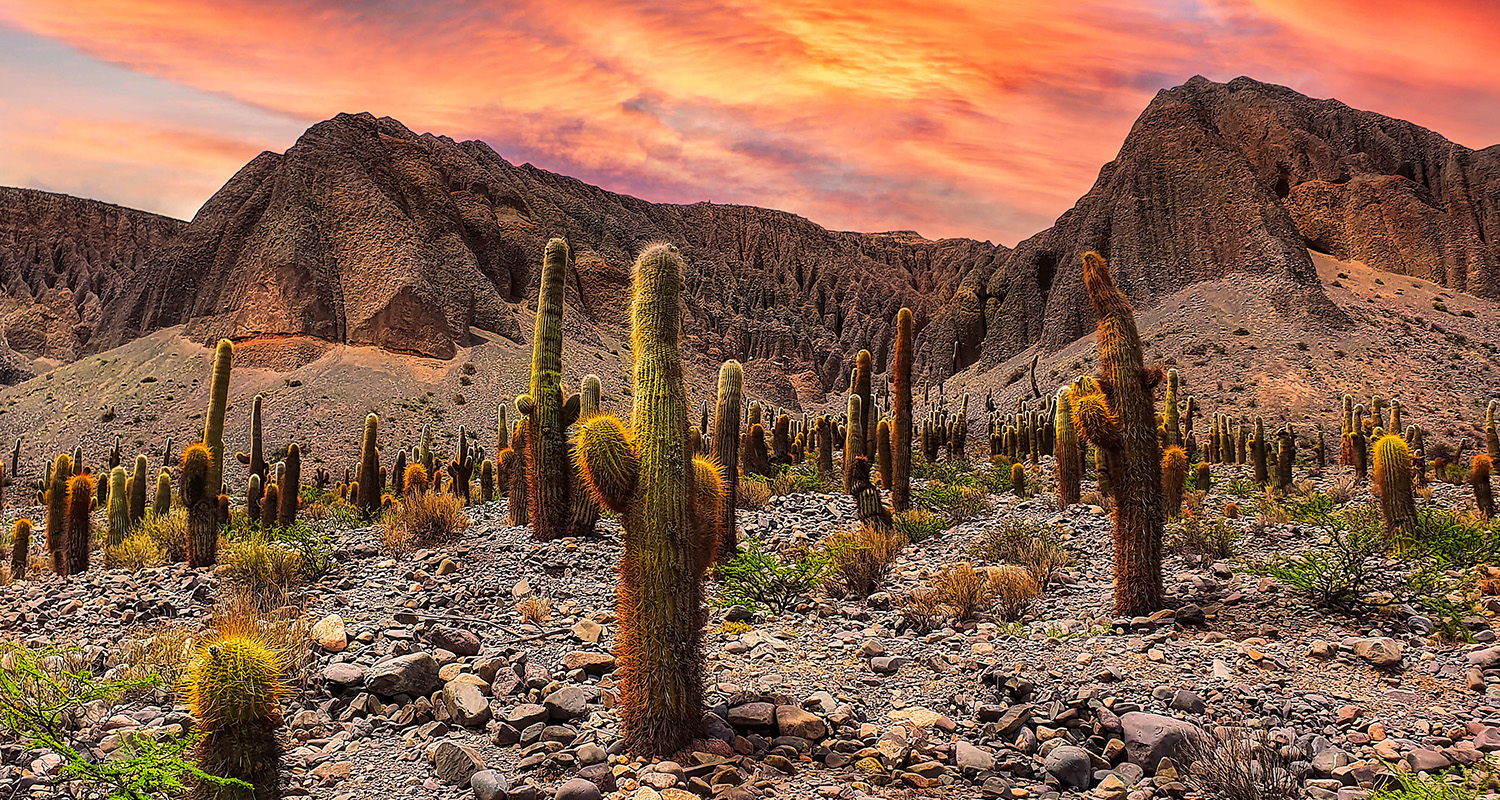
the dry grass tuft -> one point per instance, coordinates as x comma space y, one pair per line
862, 558
1033, 546
169, 532
753, 493
423, 519
923, 611
137, 552
260, 565
535, 610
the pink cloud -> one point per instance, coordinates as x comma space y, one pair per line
965, 117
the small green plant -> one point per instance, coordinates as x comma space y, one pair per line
1337, 574
1454, 784
1193, 536
1033, 546
39, 693
758, 578
1448, 617
1239, 487
919, 524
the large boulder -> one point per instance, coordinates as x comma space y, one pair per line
1151, 737
415, 674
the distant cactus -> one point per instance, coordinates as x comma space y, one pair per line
486, 481
15, 463
290, 489
1396, 423
213, 427
883, 452
1491, 439
1171, 421
1259, 454
398, 474
202, 506
667, 500
161, 505
424, 451
1204, 479
861, 386
137, 490
20, 549
369, 467
118, 509
868, 508
1231, 510
1358, 448
414, 482
583, 511
1069, 457
1393, 486
1018, 479
854, 439
255, 458
1479, 479
547, 411
254, 491
725, 444
57, 515
79, 526
513, 464
755, 459
234, 688
781, 440
1286, 456
1174, 468
1120, 421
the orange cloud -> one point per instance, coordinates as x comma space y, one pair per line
982, 118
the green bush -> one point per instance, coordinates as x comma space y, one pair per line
1195, 537
757, 578
1031, 545
1454, 784
39, 693
1454, 542
1337, 574
919, 524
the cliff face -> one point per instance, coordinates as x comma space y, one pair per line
366, 233
1245, 177
62, 261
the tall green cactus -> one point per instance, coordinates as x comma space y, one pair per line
883, 452
213, 427
20, 549
202, 506
901, 431
255, 459
289, 489
138, 490
79, 526
1393, 485
369, 467
1171, 421
1121, 422
57, 515
666, 499
546, 411
854, 439
1069, 457
118, 508
161, 505
861, 385
1286, 456
725, 446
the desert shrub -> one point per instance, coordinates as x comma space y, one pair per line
162, 651
1337, 574
1453, 784
1239, 487
964, 591
168, 532
956, 502
260, 564
753, 493
1094, 498
1342, 490
41, 692
919, 524
862, 558
798, 479
1453, 541
1448, 618
757, 578
1239, 764
1015, 590
425, 518
1033, 546
923, 611
136, 552
1313, 508
535, 609
314, 547
958, 471
1196, 537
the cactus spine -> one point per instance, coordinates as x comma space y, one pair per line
547, 413
1121, 422
665, 497
725, 443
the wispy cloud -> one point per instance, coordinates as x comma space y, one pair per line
981, 118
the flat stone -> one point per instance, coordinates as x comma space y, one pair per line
456, 763
414, 674
793, 721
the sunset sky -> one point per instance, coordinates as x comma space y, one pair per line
951, 117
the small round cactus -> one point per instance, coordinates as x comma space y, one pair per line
234, 687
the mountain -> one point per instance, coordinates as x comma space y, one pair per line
365, 233
63, 260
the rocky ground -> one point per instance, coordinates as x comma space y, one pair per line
426, 682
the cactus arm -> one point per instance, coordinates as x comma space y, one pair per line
607, 461
524, 405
